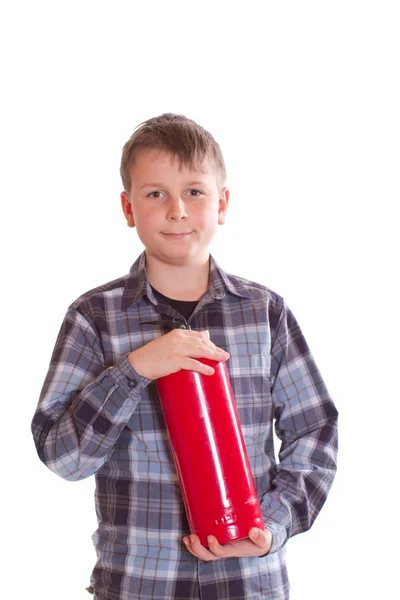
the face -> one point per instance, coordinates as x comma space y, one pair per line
175, 210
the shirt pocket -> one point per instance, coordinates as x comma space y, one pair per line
250, 380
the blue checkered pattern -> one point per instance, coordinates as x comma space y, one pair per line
96, 415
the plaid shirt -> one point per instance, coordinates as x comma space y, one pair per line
97, 415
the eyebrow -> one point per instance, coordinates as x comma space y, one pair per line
157, 184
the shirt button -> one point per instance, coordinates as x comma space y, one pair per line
131, 382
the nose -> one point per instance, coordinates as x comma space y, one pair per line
176, 209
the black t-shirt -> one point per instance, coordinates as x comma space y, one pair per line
184, 307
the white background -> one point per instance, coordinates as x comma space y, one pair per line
303, 98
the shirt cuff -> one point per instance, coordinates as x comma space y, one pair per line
111, 399
126, 377
278, 535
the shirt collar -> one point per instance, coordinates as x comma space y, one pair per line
137, 284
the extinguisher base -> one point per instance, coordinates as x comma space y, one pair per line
226, 532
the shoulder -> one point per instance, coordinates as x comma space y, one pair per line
266, 304
257, 291
101, 299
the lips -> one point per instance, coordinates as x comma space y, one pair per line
176, 235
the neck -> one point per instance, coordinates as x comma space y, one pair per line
179, 282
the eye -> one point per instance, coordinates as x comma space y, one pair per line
197, 193
156, 195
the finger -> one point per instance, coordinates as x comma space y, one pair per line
190, 364
213, 353
261, 538
193, 337
206, 350
216, 548
197, 347
205, 333
193, 333
194, 546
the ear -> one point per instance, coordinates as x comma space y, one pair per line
223, 205
127, 208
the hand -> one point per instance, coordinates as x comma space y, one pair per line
176, 350
258, 543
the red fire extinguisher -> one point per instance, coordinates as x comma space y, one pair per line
209, 453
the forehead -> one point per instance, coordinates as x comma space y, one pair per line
161, 162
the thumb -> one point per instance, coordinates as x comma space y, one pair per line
261, 538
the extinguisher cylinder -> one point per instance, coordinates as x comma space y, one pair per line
209, 453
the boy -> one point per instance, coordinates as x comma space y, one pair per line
99, 411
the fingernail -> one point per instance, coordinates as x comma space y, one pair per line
207, 333
210, 539
185, 541
254, 533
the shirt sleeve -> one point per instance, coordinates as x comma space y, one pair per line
84, 405
306, 423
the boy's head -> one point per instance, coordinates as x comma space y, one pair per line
178, 136
174, 174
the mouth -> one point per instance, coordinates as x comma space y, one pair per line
176, 236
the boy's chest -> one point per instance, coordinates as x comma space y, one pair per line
242, 329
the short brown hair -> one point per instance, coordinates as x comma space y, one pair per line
178, 135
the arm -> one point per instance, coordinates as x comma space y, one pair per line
306, 423
83, 406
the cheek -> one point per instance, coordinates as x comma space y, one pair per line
147, 220
212, 222
208, 219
